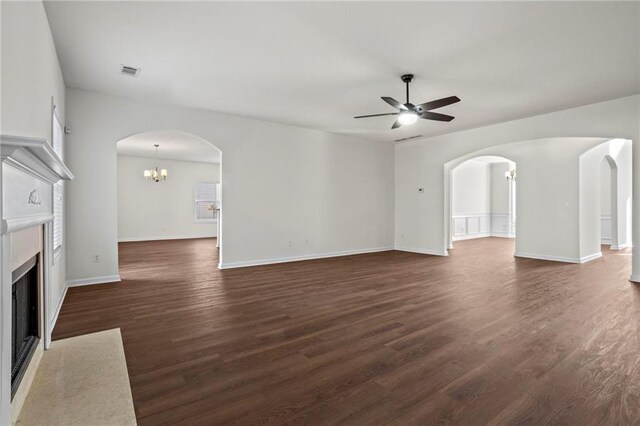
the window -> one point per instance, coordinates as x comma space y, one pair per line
58, 188
205, 201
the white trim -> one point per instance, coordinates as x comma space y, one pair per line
423, 251
94, 280
583, 259
620, 246
24, 222
635, 278
502, 235
34, 156
56, 254
57, 311
471, 236
486, 226
259, 262
5, 329
174, 237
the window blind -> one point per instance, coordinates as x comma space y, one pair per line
205, 199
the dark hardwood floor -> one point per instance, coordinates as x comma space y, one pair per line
477, 337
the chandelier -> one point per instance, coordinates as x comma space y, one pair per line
155, 174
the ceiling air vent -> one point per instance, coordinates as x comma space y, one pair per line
130, 71
407, 139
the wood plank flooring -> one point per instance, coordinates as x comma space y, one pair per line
385, 338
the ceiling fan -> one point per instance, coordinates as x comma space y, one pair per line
409, 113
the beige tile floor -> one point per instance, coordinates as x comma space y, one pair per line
81, 381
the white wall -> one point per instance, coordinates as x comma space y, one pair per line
500, 187
31, 77
471, 204
288, 192
548, 194
472, 188
480, 200
605, 203
590, 164
161, 210
422, 223
605, 192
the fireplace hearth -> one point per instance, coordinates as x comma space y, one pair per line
24, 319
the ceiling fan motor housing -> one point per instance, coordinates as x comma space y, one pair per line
407, 78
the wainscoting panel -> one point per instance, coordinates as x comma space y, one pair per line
471, 226
483, 225
502, 225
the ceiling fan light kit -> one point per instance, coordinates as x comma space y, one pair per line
409, 113
407, 117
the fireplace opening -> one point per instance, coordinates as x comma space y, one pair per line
24, 319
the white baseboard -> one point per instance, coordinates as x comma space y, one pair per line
605, 241
502, 235
620, 247
174, 237
423, 251
471, 236
57, 311
583, 259
244, 264
94, 280
635, 278
482, 235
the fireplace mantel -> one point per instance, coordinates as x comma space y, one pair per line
42, 166
35, 156
29, 169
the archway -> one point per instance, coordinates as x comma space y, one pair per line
557, 178
169, 187
605, 196
483, 198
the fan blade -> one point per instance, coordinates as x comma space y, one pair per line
394, 103
396, 125
376, 115
427, 106
435, 116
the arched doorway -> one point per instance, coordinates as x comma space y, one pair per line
483, 198
169, 187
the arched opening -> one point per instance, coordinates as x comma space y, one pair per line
169, 188
483, 198
605, 197
609, 203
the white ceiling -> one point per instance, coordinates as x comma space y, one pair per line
318, 64
173, 146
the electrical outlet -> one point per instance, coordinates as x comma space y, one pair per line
97, 258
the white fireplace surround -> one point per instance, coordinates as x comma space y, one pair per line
30, 167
